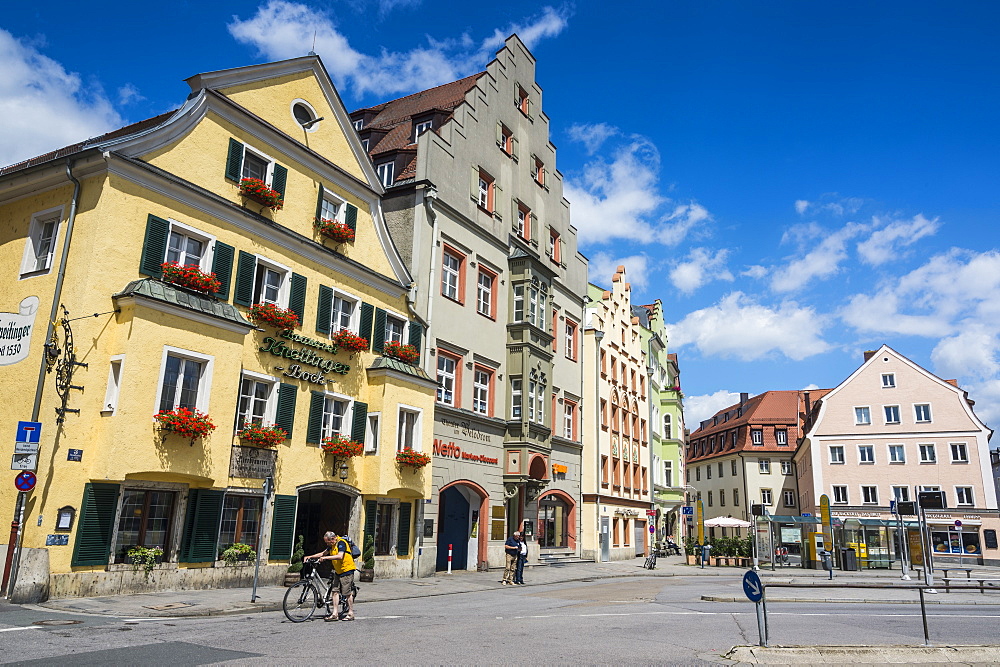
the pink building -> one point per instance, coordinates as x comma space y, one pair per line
889, 430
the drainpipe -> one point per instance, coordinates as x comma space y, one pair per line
598, 337
430, 196
14, 558
649, 425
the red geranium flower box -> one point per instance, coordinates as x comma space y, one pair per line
258, 435
336, 231
257, 190
190, 277
346, 339
187, 423
342, 447
412, 458
406, 353
277, 317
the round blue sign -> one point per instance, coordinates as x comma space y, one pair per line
25, 481
752, 586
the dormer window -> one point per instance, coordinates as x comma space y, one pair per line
359, 124
385, 172
421, 127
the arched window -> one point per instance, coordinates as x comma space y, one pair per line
667, 427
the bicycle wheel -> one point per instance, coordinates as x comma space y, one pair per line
300, 602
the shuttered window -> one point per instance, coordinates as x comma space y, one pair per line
314, 431
154, 247
240, 165
282, 527
284, 416
371, 512
360, 421
297, 296
201, 526
366, 320
222, 267
97, 520
403, 535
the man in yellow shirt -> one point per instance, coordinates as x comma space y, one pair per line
339, 553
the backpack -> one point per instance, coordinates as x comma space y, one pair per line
352, 547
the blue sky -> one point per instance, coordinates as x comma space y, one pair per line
796, 181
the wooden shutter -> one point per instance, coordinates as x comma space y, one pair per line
279, 178
154, 247
360, 424
285, 414
297, 297
319, 202
371, 510
403, 536
365, 322
314, 429
515, 206
475, 184
416, 334
97, 522
234, 161
282, 527
324, 310
351, 216
534, 228
497, 198
378, 335
499, 134
222, 267
246, 269
513, 148
200, 541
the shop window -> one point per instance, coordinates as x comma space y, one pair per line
385, 528
144, 520
240, 521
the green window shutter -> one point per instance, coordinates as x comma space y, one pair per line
246, 269
319, 202
285, 414
365, 325
378, 335
297, 297
314, 429
360, 424
416, 334
282, 527
403, 536
324, 310
351, 216
200, 541
154, 247
534, 228
234, 161
279, 178
97, 522
371, 510
222, 267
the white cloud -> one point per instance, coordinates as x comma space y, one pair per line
970, 353
739, 327
619, 198
830, 204
129, 94
891, 237
821, 262
699, 408
986, 394
282, 29
44, 107
801, 205
700, 268
603, 266
810, 387
755, 271
592, 136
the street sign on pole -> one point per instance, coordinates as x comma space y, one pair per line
687, 510
28, 432
752, 587
25, 481
24, 462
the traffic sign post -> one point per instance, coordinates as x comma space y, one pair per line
754, 590
25, 481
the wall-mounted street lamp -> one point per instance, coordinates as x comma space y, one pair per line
343, 471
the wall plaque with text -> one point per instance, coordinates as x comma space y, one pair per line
252, 462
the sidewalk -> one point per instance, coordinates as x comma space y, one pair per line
723, 582
872, 655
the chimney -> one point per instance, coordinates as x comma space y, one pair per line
870, 353
805, 395
744, 397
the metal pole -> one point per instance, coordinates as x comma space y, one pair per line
12, 544
902, 546
256, 569
753, 543
923, 616
449, 558
925, 540
763, 606
761, 633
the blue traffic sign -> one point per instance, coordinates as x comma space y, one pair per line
25, 481
29, 432
892, 506
687, 510
752, 586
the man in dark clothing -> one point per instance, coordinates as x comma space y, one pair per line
522, 558
512, 549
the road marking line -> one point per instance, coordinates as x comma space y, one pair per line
742, 613
30, 627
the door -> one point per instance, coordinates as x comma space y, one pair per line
640, 538
320, 510
605, 539
453, 529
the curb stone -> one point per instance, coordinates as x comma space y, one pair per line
717, 598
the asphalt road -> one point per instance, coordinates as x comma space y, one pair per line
644, 621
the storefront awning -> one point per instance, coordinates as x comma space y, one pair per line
792, 518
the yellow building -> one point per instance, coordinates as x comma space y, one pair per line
87, 235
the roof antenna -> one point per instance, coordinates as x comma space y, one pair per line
313, 51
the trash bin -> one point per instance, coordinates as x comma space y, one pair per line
848, 559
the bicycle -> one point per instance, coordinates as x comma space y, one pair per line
312, 592
650, 563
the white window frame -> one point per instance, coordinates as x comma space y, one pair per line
453, 377
417, 427
757, 436
869, 494
900, 497
451, 277
484, 192
373, 432
969, 491
481, 392
763, 465
916, 413
668, 474
116, 364
888, 380
347, 421
932, 449
861, 457
964, 448
569, 419
668, 423
269, 169
29, 258
846, 494
187, 230
490, 293
518, 303
355, 319
766, 497
857, 416
833, 459
271, 406
885, 414
204, 384
422, 127
896, 447
786, 467
404, 338
517, 398
735, 468
386, 172
283, 288
781, 436
330, 197
788, 498
359, 124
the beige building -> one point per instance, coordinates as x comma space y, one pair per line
889, 430
616, 484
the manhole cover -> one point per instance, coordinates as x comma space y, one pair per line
169, 605
57, 622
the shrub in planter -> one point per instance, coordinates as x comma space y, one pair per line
368, 559
406, 353
187, 423
144, 557
268, 313
335, 231
342, 447
238, 553
295, 562
346, 339
257, 190
258, 435
190, 277
412, 459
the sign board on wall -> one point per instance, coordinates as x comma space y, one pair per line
15, 332
252, 462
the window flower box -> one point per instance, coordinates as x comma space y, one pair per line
346, 339
191, 424
257, 190
258, 435
412, 459
268, 313
341, 447
190, 277
406, 353
335, 231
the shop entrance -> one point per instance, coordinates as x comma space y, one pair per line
553, 515
463, 523
321, 510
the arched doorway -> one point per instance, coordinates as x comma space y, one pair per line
556, 521
462, 523
321, 509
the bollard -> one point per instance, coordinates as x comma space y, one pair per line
449, 558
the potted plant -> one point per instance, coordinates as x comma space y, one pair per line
333, 230
346, 339
691, 550
406, 353
257, 190
275, 316
368, 559
239, 554
258, 435
341, 447
295, 563
144, 557
412, 459
190, 424
190, 277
